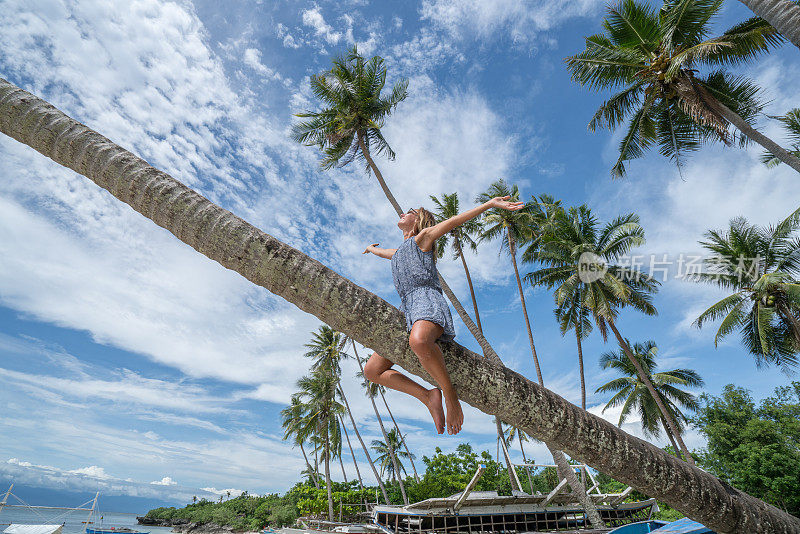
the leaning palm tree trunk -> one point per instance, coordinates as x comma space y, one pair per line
361, 315
364, 447
352, 454
378, 175
310, 469
460, 252
525, 461
670, 436
397, 427
783, 15
341, 464
562, 465
656, 397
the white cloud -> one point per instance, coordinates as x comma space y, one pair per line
166, 481
518, 21
313, 18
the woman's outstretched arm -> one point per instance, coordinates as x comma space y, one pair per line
429, 235
382, 252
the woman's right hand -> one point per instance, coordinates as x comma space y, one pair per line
372, 245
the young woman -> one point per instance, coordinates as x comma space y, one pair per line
427, 315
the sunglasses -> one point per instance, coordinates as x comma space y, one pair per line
412, 210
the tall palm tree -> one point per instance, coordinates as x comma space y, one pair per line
762, 266
632, 393
511, 432
513, 228
791, 122
352, 454
363, 445
390, 451
389, 448
463, 236
572, 242
652, 56
290, 421
372, 389
783, 15
317, 392
350, 126
352, 90
316, 289
572, 315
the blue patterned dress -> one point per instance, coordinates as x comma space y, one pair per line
417, 283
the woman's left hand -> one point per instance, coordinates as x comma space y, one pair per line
503, 203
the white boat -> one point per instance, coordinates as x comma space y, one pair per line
20, 528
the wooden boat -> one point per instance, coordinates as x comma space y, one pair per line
486, 511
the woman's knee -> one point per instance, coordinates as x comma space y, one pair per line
373, 368
419, 342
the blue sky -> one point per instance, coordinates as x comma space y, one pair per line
130, 362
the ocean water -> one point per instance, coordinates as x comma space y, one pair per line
74, 520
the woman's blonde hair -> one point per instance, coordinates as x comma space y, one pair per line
425, 219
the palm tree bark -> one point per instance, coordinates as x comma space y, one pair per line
386, 440
512, 247
670, 436
743, 126
310, 469
793, 322
580, 368
469, 282
656, 397
363, 446
365, 317
783, 15
352, 454
525, 461
378, 175
341, 464
397, 427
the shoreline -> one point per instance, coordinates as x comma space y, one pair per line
184, 526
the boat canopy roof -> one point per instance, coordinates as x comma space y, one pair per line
33, 529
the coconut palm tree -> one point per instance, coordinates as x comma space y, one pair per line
463, 236
513, 228
575, 242
634, 396
783, 15
363, 446
349, 127
316, 289
290, 421
317, 392
509, 433
352, 454
390, 451
652, 56
791, 122
389, 448
372, 389
762, 266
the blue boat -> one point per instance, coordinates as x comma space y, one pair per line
113, 530
642, 527
681, 526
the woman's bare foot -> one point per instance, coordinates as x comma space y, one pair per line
455, 417
434, 404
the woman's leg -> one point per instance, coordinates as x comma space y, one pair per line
423, 342
378, 369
